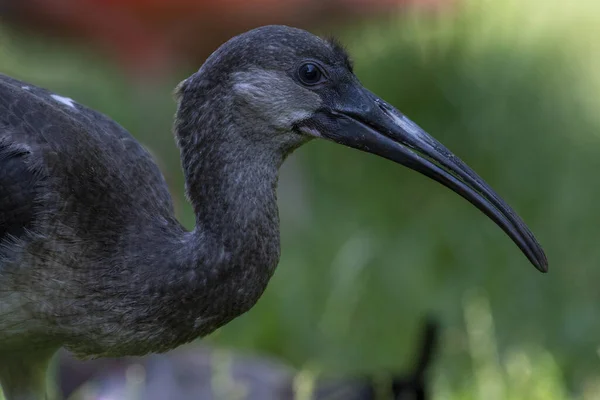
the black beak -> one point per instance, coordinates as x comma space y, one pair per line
372, 125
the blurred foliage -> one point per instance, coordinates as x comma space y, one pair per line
369, 248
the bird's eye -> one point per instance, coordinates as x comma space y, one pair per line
310, 74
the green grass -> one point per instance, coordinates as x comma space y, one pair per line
369, 248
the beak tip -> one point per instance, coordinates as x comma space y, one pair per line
541, 264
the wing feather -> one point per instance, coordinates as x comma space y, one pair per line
17, 192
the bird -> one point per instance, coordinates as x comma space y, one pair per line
92, 257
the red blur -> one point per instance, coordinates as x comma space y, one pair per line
152, 36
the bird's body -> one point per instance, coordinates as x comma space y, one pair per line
92, 257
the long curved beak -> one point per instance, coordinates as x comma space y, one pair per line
374, 126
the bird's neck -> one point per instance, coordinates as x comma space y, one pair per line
231, 182
233, 194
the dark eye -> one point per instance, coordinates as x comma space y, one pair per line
310, 74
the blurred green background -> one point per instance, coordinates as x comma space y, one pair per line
369, 248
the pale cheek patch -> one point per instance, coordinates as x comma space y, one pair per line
64, 100
248, 89
298, 115
275, 97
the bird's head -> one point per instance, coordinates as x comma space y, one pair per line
284, 86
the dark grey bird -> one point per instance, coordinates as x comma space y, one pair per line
92, 257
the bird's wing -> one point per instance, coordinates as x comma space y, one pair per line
20, 171
91, 166
17, 192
